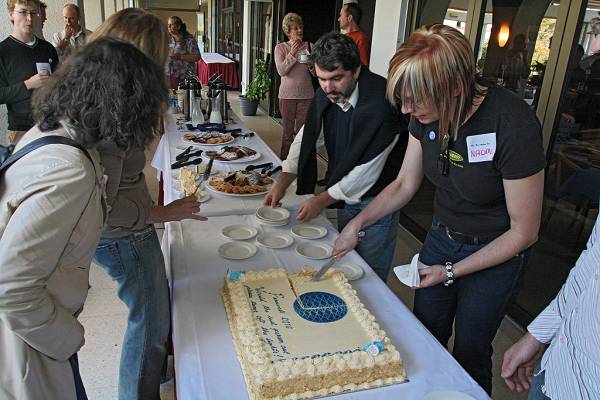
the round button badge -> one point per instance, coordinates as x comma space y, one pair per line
431, 135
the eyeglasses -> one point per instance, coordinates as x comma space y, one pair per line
443, 161
25, 13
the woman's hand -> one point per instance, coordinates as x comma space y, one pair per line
432, 276
185, 208
296, 46
347, 240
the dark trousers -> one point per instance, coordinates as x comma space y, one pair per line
293, 113
475, 303
79, 389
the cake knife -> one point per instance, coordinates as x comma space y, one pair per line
323, 269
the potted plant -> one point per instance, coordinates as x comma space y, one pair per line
256, 90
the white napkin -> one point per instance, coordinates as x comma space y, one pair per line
409, 273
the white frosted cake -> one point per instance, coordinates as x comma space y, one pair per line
298, 339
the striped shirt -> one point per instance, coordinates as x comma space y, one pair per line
571, 324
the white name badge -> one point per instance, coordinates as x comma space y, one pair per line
481, 147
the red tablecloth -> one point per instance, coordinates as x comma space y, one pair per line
229, 72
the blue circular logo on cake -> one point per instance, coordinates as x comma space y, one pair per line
320, 307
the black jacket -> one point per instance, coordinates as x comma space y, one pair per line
375, 124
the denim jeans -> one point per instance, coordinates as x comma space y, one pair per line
79, 388
475, 303
379, 243
535, 390
136, 263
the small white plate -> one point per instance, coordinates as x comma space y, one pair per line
267, 223
237, 250
275, 240
270, 214
309, 231
239, 232
447, 395
314, 251
351, 270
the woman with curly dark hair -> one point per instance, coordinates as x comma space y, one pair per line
51, 211
183, 52
129, 250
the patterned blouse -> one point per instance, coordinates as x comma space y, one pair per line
179, 68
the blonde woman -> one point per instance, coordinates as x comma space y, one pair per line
129, 250
482, 149
296, 90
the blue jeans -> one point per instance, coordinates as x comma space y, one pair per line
378, 245
475, 303
136, 263
535, 390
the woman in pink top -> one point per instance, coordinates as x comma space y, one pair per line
296, 90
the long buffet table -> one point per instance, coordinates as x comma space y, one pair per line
206, 364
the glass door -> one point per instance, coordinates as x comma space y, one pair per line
572, 186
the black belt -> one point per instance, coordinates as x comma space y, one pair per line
463, 237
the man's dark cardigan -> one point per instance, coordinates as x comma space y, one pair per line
375, 124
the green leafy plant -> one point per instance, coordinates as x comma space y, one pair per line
260, 85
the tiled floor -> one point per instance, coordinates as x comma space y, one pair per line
104, 316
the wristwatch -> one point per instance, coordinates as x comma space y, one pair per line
449, 269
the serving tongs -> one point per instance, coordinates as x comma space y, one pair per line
187, 154
181, 163
258, 166
236, 133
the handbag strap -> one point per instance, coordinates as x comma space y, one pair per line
43, 141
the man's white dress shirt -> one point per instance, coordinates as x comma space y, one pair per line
571, 324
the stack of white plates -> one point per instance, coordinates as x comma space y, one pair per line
273, 216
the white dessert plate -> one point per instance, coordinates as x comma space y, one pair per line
237, 250
275, 240
309, 231
351, 270
270, 214
447, 395
281, 223
314, 251
239, 232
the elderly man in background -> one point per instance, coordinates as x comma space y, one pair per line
73, 35
349, 20
25, 64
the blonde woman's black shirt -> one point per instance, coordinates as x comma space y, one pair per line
501, 140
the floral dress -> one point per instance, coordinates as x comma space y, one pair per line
177, 69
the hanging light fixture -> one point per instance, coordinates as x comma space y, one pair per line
503, 35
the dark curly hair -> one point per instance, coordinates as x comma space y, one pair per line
334, 50
109, 90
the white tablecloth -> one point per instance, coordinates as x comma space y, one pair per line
219, 204
215, 58
206, 363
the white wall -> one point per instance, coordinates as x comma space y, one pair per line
388, 28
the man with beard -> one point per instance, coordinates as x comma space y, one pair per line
365, 139
73, 35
